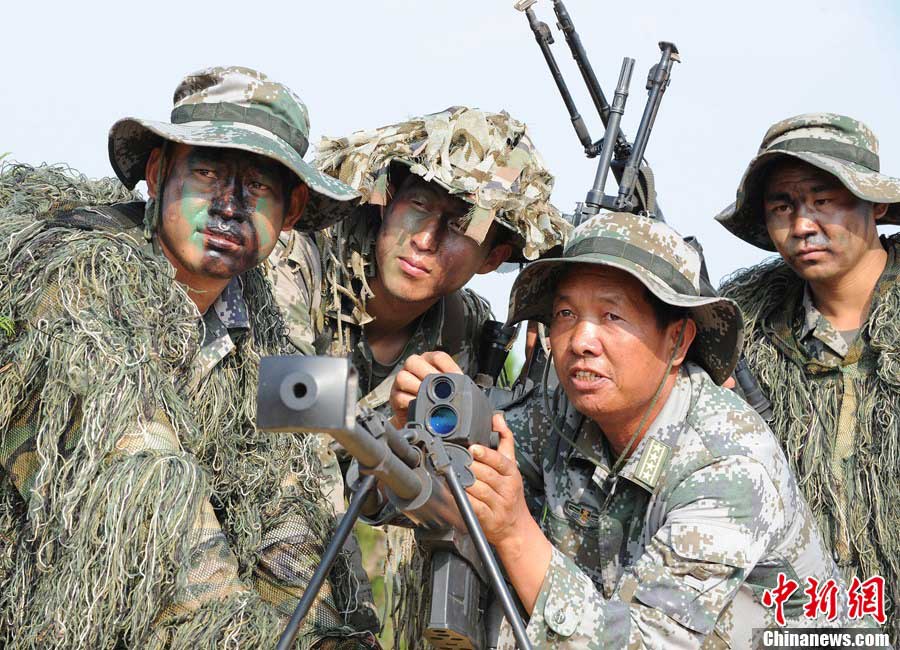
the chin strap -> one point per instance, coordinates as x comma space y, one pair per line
620, 461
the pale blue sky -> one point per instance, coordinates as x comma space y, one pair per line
70, 72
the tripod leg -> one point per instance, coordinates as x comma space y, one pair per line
328, 558
487, 557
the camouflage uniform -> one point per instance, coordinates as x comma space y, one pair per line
140, 506
677, 548
834, 394
487, 159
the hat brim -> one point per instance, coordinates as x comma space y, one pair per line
745, 219
716, 347
131, 140
513, 238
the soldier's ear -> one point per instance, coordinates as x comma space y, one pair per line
296, 206
499, 254
690, 332
879, 210
151, 171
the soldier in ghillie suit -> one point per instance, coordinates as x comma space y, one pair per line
822, 329
657, 505
140, 507
444, 196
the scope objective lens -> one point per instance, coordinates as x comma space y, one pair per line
442, 420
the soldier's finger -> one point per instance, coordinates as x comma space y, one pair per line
507, 446
420, 366
488, 476
442, 361
405, 384
504, 465
484, 493
482, 512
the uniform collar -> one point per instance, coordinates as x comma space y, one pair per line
644, 467
231, 308
814, 324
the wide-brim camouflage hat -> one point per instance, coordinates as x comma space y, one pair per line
839, 145
235, 108
658, 258
487, 159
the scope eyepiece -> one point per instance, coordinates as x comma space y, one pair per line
442, 420
442, 388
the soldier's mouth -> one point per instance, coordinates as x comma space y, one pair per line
226, 242
413, 266
808, 254
584, 379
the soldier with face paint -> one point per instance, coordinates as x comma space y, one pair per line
444, 196
822, 329
140, 507
657, 507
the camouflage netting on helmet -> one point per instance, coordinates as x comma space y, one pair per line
807, 421
486, 158
121, 485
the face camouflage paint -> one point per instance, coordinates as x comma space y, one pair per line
222, 209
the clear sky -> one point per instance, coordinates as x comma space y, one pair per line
70, 71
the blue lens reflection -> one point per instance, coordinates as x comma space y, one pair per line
443, 420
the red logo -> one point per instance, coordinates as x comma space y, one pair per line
776, 597
821, 600
867, 598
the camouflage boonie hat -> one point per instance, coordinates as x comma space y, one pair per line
839, 145
234, 108
487, 159
659, 258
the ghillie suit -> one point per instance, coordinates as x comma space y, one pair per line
140, 507
835, 402
838, 420
489, 161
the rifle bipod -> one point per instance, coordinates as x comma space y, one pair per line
444, 466
328, 558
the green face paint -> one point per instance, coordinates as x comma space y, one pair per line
195, 211
222, 210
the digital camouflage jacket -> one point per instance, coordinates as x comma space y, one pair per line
837, 411
141, 508
703, 517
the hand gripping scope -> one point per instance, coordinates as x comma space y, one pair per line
420, 473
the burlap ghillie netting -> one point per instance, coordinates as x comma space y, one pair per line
139, 508
855, 495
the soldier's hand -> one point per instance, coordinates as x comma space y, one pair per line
498, 496
498, 499
406, 385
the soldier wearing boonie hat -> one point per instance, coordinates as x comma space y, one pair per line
145, 509
822, 328
659, 502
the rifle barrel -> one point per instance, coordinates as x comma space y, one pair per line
544, 39
595, 90
595, 196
